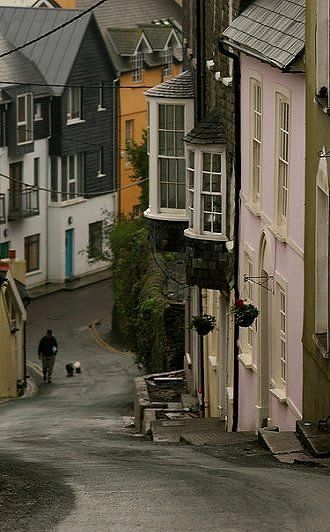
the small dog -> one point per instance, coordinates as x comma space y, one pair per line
72, 368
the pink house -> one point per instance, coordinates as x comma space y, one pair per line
271, 254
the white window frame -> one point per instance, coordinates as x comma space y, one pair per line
37, 111
191, 176
137, 66
74, 116
282, 158
27, 123
168, 61
167, 158
280, 360
197, 230
74, 180
101, 170
256, 118
101, 106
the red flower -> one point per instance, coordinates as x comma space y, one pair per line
239, 303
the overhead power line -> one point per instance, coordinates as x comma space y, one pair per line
54, 30
74, 194
113, 87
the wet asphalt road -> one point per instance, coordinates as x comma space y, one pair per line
67, 462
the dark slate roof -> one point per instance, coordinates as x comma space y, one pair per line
181, 86
54, 55
208, 131
125, 40
272, 30
129, 13
157, 35
16, 67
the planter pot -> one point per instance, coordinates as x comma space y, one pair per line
245, 321
203, 329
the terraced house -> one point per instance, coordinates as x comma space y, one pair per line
57, 143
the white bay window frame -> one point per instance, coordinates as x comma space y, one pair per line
155, 211
202, 193
74, 113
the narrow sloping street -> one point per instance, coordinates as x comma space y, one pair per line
69, 464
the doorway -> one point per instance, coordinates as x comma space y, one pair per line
69, 248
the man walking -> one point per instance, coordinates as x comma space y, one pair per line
47, 352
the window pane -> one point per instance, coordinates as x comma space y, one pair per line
81, 173
71, 167
180, 117
54, 181
163, 195
181, 170
191, 162
191, 175
217, 223
170, 143
21, 117
163, 169
162, 117
216, 163
181, 197
36, 171
29, 125
217, 203
170, 117
162, 145
179, 144
206, 162
172, 170
64, 184
172, 196
207, 222
22, 134
95, 239
216, 183
206, 182
72, 190
207, 201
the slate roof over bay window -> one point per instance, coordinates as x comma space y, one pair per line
181, 86
270, 30
208, 131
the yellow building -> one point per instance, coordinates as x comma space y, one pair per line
12, 327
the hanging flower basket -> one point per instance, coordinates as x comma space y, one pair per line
245, 313
203, 324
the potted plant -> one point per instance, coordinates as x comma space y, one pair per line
203, 324
244, 313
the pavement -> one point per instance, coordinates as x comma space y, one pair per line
73, 284
70, 462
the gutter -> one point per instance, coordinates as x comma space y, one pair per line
237, 168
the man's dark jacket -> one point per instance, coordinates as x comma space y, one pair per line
46, 345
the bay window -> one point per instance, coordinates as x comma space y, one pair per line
206, 191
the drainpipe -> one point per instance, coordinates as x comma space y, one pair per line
116, 141
237, 168
200, 56
201, 360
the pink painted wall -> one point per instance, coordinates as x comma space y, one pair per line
285, 259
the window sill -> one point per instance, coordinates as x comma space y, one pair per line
276, 230
24, 143
67, 203
280, 394
190, 233
34, 272
321, 344
73, 121
99, 174
171, 216
101, 109
246, 360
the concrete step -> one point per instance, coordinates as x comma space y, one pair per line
315, 437
280, 442
172, 430
218, 438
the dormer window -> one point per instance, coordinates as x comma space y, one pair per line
137, 66
167, 60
